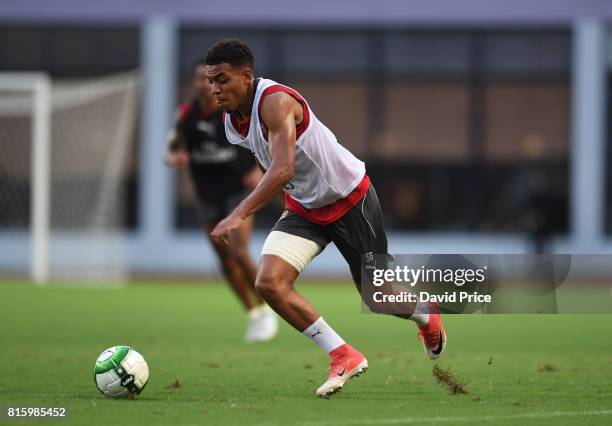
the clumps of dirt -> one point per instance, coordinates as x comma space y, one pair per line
547, 368
175, 385
448, 379
308, 366
490, 360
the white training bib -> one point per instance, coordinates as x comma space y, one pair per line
325, 171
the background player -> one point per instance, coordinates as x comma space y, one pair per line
329, 199
221, 174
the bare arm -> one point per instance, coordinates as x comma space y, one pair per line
176, 154
278, 114
175, 137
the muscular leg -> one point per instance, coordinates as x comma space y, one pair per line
361, 231
234, 273
240, 246
290, 246
274, 282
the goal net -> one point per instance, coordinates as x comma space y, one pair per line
63, 174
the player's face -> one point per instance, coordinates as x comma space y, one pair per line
201, 85
229, 84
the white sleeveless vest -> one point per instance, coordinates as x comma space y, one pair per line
325, 171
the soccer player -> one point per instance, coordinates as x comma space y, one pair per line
221, 173
329, 198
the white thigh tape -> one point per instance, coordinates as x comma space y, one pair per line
296, 251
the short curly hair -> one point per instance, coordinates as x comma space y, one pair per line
230, 51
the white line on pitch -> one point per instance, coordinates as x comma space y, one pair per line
458, 419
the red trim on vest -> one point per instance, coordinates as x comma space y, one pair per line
332, 212
280, 88
242, 126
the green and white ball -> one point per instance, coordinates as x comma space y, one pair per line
120, 371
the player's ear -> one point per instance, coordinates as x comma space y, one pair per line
247, 74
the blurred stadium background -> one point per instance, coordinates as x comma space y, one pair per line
485, 125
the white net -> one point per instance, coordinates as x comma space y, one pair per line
92, 132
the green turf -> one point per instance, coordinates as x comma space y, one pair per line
51, 337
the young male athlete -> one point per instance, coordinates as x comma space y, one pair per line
221, 173
329, 198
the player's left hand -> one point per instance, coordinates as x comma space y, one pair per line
221, 233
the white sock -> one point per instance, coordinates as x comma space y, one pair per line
254, 313
421, 314
323, 335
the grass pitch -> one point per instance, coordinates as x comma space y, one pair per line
528, 370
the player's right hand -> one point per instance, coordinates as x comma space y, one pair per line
178, 158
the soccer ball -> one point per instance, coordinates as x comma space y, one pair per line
120, 371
